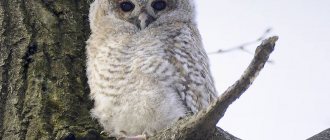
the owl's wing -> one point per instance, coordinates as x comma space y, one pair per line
195, 86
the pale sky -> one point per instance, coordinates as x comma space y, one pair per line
290, 100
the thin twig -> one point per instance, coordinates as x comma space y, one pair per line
243, 47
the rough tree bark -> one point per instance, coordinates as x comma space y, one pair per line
43, 89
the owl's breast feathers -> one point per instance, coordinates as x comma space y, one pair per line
176, 58
144, 79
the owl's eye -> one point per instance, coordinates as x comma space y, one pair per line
127, 6
159, 5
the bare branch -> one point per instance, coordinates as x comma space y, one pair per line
203, 124
324, 135
243, 47
217, 110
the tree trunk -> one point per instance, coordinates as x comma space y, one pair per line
43, 89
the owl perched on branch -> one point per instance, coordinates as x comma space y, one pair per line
146, 65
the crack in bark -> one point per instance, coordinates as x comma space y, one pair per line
34, 28
5, 89
6, 66
27, 59
58, 38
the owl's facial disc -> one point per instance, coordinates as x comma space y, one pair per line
142, 13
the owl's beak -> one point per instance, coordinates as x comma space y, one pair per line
144, 20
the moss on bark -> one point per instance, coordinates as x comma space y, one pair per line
43, 89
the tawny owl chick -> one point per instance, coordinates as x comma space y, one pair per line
146, 65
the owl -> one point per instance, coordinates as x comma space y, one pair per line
146, 65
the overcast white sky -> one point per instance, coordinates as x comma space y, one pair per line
290, 100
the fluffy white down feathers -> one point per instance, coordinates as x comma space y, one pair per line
146, 67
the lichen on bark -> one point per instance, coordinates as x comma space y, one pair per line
44, 94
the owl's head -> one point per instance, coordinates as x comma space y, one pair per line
140, 14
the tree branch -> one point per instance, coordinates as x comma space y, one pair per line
203, 124
243, 47
324, 135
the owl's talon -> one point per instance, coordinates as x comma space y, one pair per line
104, 133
